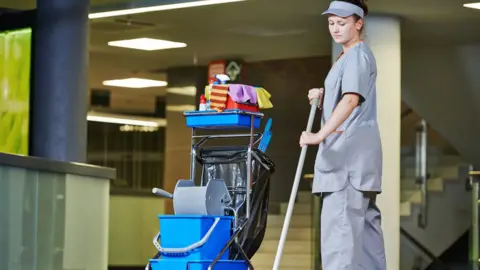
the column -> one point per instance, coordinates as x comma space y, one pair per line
383, 36
59, 96
184, 88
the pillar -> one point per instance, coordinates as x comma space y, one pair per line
185, 84
59, 96
383, 37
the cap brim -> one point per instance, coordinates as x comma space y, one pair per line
338, 12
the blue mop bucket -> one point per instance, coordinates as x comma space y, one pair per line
193, 237
197, 265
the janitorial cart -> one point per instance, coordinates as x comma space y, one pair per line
220, 212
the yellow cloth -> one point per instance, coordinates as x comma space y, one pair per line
263, 98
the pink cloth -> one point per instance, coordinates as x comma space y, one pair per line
243, 93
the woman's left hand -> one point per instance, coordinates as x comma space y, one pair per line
309, 138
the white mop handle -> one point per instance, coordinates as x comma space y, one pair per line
298, 175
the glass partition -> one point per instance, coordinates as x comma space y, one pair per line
52, 221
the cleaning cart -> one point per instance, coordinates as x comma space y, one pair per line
220, 212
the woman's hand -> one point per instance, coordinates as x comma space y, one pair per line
315, 93
309, 138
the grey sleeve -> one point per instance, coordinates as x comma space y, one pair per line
356, 74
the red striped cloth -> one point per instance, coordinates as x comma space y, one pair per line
218, 97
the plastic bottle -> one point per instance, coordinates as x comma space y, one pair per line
203, 103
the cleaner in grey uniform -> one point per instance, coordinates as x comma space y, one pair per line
348, 166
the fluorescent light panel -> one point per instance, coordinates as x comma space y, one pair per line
123, 120
136, 10
147, 44
135, 83
184, 91
472, 5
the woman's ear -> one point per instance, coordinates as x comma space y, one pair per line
359, 25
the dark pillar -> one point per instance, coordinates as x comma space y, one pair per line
59, 100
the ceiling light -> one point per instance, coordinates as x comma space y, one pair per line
147, 44
181, 108
146, 6
124, 120
135, 83
472, 5
184, 91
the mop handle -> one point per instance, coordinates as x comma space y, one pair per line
291, 203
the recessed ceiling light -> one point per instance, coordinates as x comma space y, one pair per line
146, 6
472, 5
135, 83
147, 44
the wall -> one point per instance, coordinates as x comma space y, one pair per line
288, 81
132, 225
442, 85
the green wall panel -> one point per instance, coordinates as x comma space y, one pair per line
15, 62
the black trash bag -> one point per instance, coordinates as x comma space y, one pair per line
230, 165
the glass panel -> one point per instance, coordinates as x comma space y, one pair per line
51, 221
18, 218
136, 152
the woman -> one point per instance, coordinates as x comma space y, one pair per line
348, 167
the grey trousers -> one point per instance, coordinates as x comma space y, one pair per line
351, 235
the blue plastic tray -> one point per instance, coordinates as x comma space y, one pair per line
179, 231
228, 119
197, 265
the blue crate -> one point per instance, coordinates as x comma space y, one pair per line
228, 119
180, 231
197, 265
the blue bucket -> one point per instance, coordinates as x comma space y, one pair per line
194, 237
196, 265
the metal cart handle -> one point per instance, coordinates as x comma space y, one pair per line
188, 248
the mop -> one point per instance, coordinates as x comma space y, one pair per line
293, 195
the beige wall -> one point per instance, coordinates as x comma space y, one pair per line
133, 224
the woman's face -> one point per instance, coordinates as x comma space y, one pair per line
344, 29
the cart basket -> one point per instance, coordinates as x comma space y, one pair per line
230, 164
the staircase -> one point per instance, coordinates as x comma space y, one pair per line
449, 202
298, 249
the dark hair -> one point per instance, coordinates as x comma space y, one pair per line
360, 3
363, 5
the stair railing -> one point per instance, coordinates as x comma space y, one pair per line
421, 171
474, 176
435, 261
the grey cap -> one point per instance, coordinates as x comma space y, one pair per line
344, 9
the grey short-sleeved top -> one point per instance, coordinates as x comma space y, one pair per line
353, 152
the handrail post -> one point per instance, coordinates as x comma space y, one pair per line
475, 182
421, 171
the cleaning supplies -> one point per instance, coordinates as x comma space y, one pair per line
203, 103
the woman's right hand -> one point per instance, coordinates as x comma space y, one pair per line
315, 93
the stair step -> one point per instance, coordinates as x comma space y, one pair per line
435, 160
304, 197
290, 261
405, 209
448, 172
297, 221
434, 184
413, 196
296, 234
291, 246
298, 209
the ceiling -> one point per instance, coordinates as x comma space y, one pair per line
253, 30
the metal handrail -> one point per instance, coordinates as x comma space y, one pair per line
424, 250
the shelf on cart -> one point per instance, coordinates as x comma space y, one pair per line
228, 119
